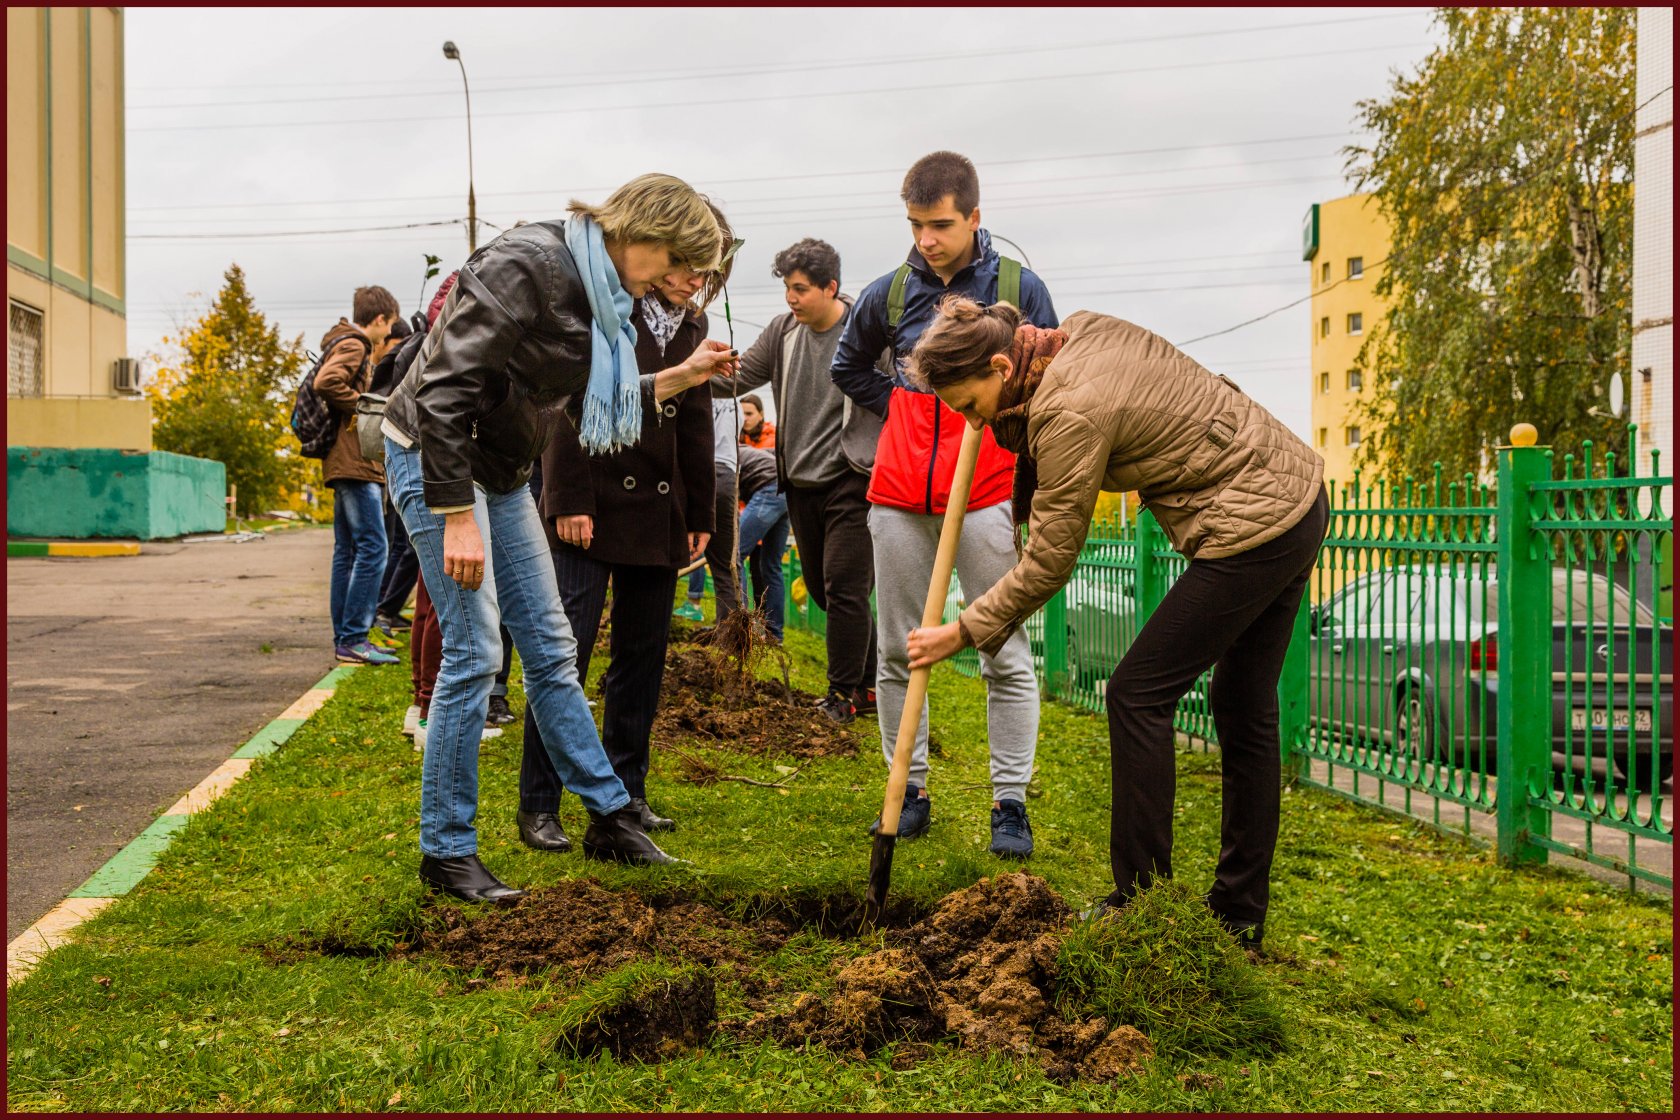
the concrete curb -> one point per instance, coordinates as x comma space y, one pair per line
72, 548
124, 871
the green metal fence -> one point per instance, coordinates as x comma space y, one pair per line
1455, 633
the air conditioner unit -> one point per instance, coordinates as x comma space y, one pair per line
125, 375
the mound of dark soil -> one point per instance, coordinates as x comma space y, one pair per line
981, 968
705, 697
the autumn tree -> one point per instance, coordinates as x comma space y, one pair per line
1505, 169
225, 393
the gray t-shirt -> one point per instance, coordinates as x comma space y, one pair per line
808, 411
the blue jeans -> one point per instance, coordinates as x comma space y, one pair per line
519, 592
358, 562
764, 535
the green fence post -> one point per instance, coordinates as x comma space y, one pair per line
1524, 724
1056, 644
1292, 689
793, 612
1151, 574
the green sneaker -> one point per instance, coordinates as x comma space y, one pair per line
690, 611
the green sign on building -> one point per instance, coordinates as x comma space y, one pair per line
1309, 233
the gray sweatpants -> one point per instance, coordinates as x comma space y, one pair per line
905, 546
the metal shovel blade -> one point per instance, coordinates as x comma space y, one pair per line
880, 878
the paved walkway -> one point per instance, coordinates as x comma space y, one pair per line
128, 679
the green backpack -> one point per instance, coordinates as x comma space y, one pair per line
1009, 288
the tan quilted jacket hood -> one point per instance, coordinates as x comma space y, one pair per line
1121, 408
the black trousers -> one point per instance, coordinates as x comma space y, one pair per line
831, 526
641, 628
1236, 614
402, 566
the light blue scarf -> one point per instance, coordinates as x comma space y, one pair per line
612, 405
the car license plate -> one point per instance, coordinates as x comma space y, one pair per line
1611, 719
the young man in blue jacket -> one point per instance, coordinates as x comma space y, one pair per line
914, 463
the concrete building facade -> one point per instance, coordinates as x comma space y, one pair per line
79, 458
1651, 399
1344, 242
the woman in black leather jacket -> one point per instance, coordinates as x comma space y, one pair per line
535, 318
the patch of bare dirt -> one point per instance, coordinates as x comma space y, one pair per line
582, 928
706, 697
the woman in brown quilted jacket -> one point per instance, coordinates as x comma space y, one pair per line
1103, 404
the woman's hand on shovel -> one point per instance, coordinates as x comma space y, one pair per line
930, 645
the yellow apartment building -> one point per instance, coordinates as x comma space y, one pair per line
67, 384
1344, 242
79, 457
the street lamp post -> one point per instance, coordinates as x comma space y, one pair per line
451, 51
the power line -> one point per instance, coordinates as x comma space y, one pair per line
285, 233
434, 118
1533, 174
634, 76
808, 216
713, 183
815, 199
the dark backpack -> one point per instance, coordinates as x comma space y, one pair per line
314, 421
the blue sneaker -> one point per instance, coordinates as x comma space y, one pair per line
363, 653
914, 818
690, 611
1011, 831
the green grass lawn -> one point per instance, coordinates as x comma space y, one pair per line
1409, 972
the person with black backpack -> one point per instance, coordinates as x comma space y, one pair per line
357, 483
402, 567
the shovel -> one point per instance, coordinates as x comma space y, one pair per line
881, 855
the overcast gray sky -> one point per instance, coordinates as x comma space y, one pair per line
1152, 164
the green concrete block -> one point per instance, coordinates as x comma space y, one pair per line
27, 548
81, 493
129, 866
269, 739
337, 677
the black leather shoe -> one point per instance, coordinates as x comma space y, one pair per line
1248, 934
542, 831
467, 879
651, 821
620, 836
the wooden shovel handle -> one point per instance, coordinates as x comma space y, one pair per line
933, 613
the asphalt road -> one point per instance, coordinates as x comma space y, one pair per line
128, 679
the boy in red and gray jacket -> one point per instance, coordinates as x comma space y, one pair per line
914, 463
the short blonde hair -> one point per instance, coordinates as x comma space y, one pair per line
662, 210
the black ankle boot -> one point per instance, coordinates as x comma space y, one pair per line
542, 831
651, 821
619, 836
467, 879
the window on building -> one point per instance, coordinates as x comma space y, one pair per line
1324, 382
1356, 322
1324, 327
1356, 381
1352, 436
1324, 273
1356, 267
1324, 437
24, 338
